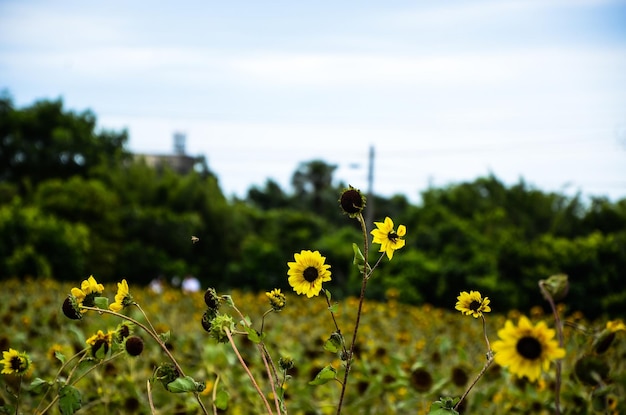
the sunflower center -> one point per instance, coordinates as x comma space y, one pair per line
474, 305
310, 274
529, 348
16, 363
393, 236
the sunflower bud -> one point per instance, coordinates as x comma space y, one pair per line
557, 286
277, 299
352, 201
285, 363
219, 327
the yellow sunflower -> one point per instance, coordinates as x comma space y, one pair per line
122, 298
89, 289
387, 237
526, 349
308, 272
14, 362
472, 304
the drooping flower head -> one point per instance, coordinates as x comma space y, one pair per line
100, 341
122, 298
14, 362
88, 291
605, 338
387, 237
526, 349
472, 304
71, 308
308, 272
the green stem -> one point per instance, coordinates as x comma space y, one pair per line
487, 364
75, 381
245, 367
366, 275
156, 338
17, 398
480, 375
61, 369
559, 331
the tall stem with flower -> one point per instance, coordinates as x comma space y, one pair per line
309, 271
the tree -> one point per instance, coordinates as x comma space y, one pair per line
45, 141
312, 182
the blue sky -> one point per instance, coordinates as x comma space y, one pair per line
445, 91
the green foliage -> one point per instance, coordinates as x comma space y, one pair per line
44, 141
73, 203
36, 244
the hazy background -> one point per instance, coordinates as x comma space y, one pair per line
444, 90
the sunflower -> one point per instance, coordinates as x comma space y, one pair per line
387, 237
526, 349
88, 291
472, 304
308, 272
14, 362
122, 298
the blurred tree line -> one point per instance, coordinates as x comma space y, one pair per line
74, 202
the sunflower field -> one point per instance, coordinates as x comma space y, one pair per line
407, 360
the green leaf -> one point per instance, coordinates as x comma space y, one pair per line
254, 336
165, 337
444, 406
359, 259
39, 385
221, 399
328, 295
334, 343
59, 356
246, 322
334, 308
324, 376
229, 300
101, 302
181, 385
70, 400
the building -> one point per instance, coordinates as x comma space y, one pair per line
178, 161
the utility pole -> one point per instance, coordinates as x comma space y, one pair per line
369, 213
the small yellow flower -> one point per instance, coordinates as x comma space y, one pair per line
472, 304
89, 289
122, 298
387, 237
277, 299
615, 326
15, 363
526, 349
90, 286
308, 272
